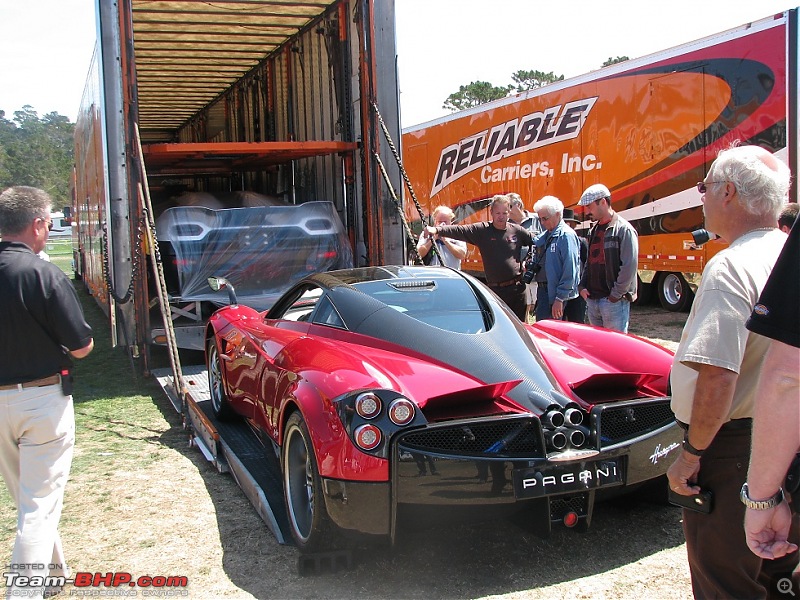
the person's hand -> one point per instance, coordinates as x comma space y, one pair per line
431, 231
613, 300
683, 473
558, 309
767, 531
584, 294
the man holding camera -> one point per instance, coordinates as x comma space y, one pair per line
556, 263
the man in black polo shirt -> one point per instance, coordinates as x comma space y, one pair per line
43, 326
499, 242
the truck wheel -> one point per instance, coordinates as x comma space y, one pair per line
216, 386
311, 527
673, 292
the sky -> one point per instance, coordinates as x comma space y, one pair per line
46, 45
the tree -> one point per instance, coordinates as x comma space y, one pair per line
37, 152
613, 61
529, 80
477, 92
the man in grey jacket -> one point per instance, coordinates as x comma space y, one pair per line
609, 281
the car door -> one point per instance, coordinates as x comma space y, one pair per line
275, 334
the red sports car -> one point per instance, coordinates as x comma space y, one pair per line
394, 393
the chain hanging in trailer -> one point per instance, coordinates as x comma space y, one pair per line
135, 266
396, 155
399, 207
158, 273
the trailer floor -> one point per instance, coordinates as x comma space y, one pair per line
265, 488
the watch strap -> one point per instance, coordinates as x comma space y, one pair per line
767, 504
689, 448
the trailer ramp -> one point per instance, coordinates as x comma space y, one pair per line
231, 447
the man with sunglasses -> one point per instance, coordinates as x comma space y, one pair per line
43, 329
715, 373
608, 283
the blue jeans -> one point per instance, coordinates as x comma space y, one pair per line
611, 315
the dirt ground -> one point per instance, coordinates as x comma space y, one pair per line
156, 507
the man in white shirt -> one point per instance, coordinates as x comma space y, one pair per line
452, 251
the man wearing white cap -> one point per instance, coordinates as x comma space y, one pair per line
608, 283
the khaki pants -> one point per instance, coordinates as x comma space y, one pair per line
37, 435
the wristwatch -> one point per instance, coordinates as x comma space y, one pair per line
761, 504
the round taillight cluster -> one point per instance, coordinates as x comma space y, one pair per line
368, 405
367, 436
374, 417
401, 411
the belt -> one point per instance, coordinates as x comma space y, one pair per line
52, 380
733, 424
501, 284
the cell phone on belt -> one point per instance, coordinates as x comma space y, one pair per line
702, 502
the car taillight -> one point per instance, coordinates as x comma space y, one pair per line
367, 437
401, 411
368, 405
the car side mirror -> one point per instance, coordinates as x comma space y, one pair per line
220, 283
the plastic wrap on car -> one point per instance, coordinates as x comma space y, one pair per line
261, 250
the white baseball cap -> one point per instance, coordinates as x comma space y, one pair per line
594, 193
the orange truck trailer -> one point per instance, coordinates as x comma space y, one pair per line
647, 128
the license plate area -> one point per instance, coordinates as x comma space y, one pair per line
536, 482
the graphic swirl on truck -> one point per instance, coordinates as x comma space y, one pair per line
261, 250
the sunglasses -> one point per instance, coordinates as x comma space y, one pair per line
49, 223
702, 186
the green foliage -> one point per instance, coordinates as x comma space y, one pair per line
613, 61
477, 92
480, 92
37, 151
529, 80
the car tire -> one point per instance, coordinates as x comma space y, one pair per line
216, 385
309, 522
674, 293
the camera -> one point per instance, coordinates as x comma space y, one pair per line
701, 236
532, 267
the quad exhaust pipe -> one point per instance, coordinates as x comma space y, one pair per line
564, 427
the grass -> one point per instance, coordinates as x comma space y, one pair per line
60, 252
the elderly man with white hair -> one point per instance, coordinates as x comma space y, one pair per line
716, 369
558, 259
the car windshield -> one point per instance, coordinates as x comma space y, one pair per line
449, 304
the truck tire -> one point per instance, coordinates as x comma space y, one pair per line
312, 528
674, 293
645, 292
216, 384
